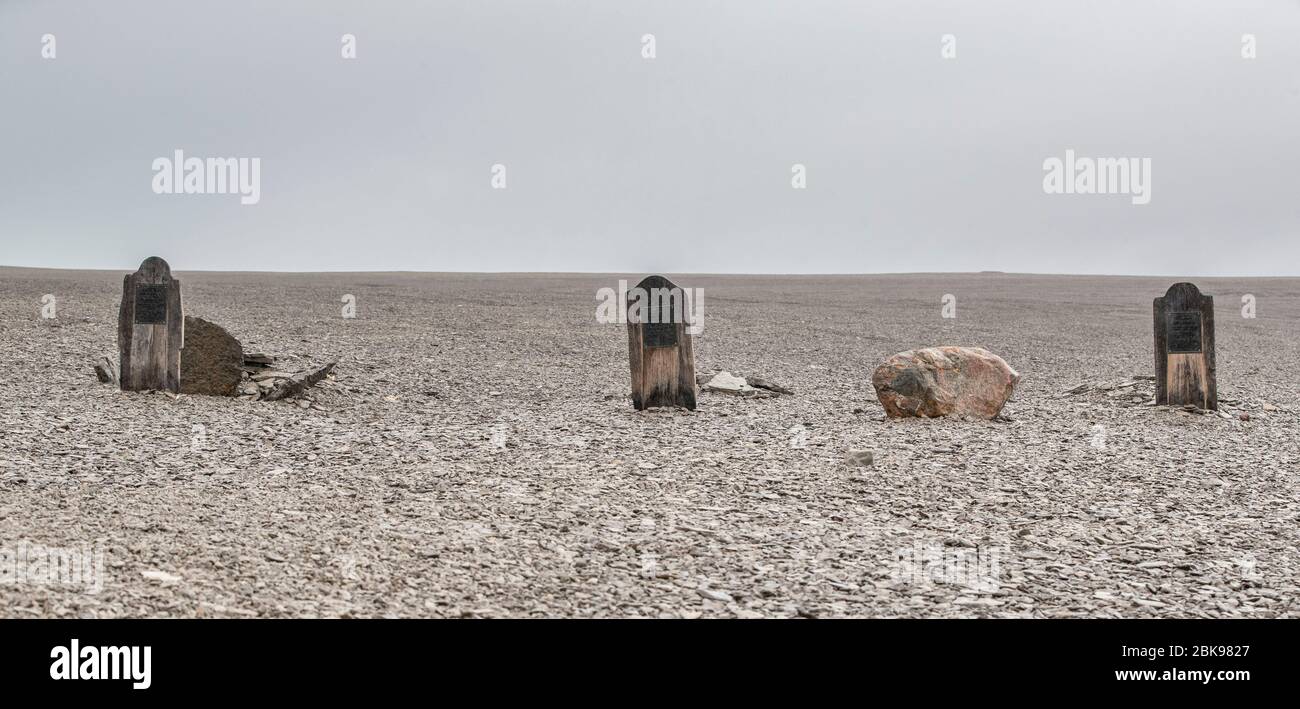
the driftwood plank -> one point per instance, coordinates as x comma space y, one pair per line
150, 329
659, 347
1184, 348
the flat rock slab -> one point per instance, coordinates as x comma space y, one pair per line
728, 383
860, 458
944, 381
762, 383
748, 387
285, 388
211, 361
258, 359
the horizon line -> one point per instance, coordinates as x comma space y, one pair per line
685, 273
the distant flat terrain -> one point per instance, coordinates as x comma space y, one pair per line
476, 453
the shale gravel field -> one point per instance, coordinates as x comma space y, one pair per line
475, 453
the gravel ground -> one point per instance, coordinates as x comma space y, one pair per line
476, 454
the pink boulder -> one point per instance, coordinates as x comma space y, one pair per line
944, 381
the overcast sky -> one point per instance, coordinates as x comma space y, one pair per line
680, 163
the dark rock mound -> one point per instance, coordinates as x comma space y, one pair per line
211, 361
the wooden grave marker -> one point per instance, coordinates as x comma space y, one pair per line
151, 329
1184, 332
659, 345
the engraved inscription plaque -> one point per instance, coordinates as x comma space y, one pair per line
661, 330
150, 304
1184, 331
660, 334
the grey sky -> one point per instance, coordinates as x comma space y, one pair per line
677, 164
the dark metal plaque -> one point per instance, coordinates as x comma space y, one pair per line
660, 334
661, 327
1183, 333
150, 304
